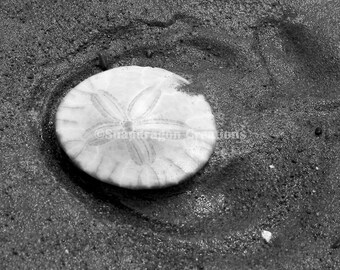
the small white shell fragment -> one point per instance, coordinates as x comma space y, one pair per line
266, 235
131, 127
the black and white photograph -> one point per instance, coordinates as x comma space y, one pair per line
170, 134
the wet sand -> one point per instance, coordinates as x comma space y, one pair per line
270, 71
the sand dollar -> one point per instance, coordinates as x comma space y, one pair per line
132, 127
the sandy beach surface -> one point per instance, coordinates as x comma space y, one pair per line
270, 71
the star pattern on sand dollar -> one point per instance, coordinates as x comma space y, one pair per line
135, 119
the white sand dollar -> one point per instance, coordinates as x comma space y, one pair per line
131, 127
